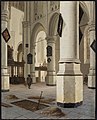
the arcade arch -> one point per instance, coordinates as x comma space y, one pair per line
38, 47
53, 24
41, 59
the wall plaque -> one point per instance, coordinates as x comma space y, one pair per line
93, 46
6, 35
49, 51
29, 58
49, 60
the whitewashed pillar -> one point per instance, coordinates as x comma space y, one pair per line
91, 75
51, 73
4, 66
32, 45
26, 38
69, 78
32, 67
14, 70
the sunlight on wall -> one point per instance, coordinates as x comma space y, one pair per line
40, 48
40, 57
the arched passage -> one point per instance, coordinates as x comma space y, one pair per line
40, 50
36, 29
38, 47
20, 68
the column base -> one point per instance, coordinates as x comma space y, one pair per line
51, 79
91, 78
69, 105
91, 81
4, 90
51, 84
5, 82
69, 85
33, 78
92, 87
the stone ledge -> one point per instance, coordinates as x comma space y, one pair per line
5, 90
51, 84
69, 105
92, 87
69, 75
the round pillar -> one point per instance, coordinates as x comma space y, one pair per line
14, 70
69, 77
26, 37
32, 67
26, 43
91, 75
51, 73
4, 67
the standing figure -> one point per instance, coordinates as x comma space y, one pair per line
86, 79
29, 81
14, 79
17, 79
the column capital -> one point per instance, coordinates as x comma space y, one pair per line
4, 11
4, 5
26, 24
50, 39
69, 60
91, 26
4, 15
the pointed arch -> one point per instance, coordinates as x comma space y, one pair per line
84, 7
36, 29
53, 24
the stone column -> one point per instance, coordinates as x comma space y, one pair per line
51, 73
4, 67
91, 75
69, 78
32, 67
24, 51
26, 33
26, 39
32, 47
14, 70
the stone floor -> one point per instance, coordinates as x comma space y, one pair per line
85, 111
